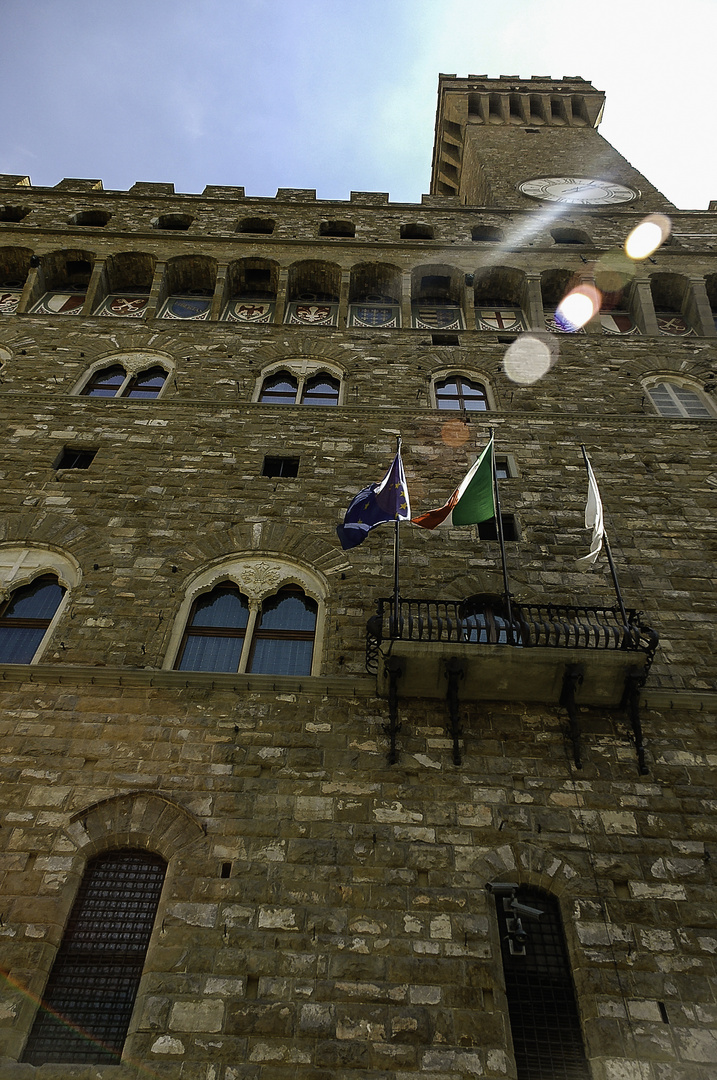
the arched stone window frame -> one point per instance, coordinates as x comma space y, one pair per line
134, 363
303, 369
21, 564
464, 373
258, 577
140, 820
670, 378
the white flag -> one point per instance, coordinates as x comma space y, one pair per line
593, 518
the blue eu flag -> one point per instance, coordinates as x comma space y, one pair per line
375, 505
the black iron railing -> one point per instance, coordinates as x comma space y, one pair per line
558, 626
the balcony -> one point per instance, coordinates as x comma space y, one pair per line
524, 660
541, 653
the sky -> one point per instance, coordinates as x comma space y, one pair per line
337, 95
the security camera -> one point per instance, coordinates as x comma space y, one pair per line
525, 910
501, 888
517, 937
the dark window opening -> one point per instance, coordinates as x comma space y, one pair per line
445, 339
502, 468
569, 236
91, 991
257, 278
436, 287
337, 228
98, 218
487, 234
72, 458
416, 231
259, 225
226, 870
544, 1019
13, 213
25, 617
78, 272
280, 466
176, 222
488, 530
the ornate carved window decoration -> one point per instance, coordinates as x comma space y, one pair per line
35, 585
93, 984
680, 398
300, 382
130, 375
458, 391
253, 615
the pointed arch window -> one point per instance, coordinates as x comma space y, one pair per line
93, 984
25, 618
544, 1019
458, 392
225, 632
214, 637
116, 382
283, 641
283, 388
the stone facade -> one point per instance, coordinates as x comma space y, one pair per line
325, 913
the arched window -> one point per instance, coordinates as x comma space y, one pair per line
458, 392
216, 628
544, 1020
223, 634
116, 382
284, 388
283, 641
321, 390
25, 618
675, 400
88, 1001
252, 614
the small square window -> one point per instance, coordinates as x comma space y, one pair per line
445, 339
74, 458
487, 530
280, 466
505, 467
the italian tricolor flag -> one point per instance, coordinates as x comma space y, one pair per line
470, 503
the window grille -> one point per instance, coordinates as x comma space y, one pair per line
88, 1002
544, 1021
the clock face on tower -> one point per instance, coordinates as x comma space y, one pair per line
578, 190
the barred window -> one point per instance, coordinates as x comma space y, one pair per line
25, 618
88, 1002
544, 1021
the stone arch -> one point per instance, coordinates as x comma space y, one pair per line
137, 819
258, 577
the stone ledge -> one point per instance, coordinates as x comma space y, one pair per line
68, 674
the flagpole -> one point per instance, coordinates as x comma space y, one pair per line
608, 552
396, 547
501, 540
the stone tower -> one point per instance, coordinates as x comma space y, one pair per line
264, 818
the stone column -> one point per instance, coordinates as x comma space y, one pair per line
219, 298
344, 298
469, 303
642, 307
406, 299
158, 292
281, 290
533, 304
698, 309
94, 287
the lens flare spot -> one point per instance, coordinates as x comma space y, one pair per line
578, 307
528, 359
455, 433
648, 236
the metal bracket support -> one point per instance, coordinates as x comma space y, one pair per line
395, 671
571, 681
634, 681
454, 673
